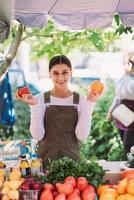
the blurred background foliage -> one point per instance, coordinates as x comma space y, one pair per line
104, 141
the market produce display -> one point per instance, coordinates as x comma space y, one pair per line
64, 179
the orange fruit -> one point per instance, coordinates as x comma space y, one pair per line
121, 197
110, 191
129, 174
131, 181
130, 188
102, 188
97, 86
107, 197
125, 197
121, 188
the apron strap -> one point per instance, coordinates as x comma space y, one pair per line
75, 98
47, 97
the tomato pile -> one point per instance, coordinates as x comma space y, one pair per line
71, 189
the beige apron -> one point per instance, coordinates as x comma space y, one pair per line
60, 139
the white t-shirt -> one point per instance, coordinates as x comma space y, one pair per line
85, 109
125, 88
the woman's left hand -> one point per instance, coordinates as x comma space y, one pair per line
93, 96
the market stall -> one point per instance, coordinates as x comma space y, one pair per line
24, 178
65, 179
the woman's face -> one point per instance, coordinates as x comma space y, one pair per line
60, 75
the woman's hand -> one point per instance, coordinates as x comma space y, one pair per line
93, 96
95, 90
27, 98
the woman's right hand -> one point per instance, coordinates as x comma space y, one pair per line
27, 98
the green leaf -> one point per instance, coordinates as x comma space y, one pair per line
117, 19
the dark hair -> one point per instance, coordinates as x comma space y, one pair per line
132, 64
60, 59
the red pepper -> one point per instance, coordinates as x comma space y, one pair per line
23, 90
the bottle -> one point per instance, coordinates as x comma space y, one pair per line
25, 166
36, 164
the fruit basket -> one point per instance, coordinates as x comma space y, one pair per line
29, 194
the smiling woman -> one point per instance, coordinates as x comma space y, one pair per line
60, 118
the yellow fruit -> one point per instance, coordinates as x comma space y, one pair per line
2, 172
2, 178
5, 190
13, 194
1, 184
107, 197
101, 189
14, 184
110, 191
121, 197
6, 184
121, 188
5, 197
129, 197
15, 174
130, 188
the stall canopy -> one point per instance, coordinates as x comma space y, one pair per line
76, 14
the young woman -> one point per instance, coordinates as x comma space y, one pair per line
60, 118
124, 94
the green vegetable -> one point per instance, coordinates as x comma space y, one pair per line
59, 169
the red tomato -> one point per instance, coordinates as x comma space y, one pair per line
23, 90
88, 195
61, 197
65, 188
82, 183
55, 193
129, 174
91, 188
70, 179
76, 190
46, 195
48, 186
74, 196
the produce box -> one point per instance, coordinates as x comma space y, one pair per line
113, 169
113, 177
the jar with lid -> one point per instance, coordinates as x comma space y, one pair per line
25, 166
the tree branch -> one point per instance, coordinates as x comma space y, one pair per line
12, 50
